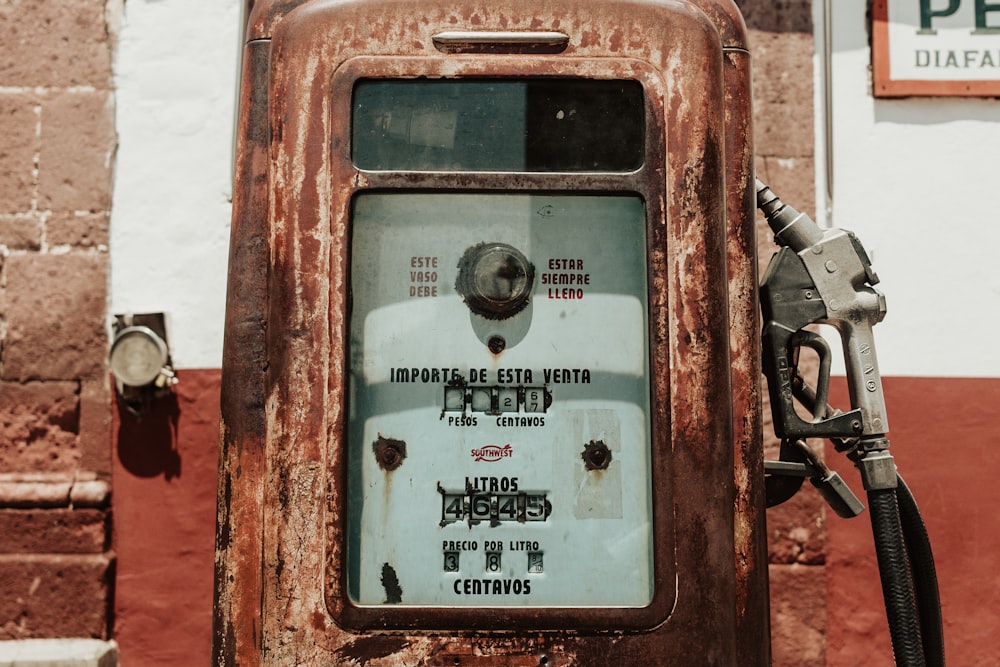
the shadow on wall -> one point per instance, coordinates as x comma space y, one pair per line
147, 447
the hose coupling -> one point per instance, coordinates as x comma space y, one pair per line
878, 471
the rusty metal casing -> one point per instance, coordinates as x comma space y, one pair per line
280, 536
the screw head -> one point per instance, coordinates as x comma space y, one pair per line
496, 344
596, 455
389, 453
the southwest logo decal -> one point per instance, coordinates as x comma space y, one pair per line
491, 453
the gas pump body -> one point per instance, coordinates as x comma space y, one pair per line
480, 377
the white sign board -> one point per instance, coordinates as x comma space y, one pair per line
936, 47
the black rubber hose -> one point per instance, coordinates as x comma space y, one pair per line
925, 583
897, 582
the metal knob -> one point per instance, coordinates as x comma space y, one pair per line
495, 280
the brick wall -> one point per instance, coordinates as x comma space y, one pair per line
56, 160
781, 41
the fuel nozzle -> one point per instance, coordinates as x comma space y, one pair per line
791, 228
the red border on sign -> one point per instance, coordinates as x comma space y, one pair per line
883, 85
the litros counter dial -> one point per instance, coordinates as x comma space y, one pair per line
495, 280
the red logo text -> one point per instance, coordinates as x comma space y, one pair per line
492, 453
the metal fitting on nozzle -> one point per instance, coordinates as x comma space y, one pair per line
791, 228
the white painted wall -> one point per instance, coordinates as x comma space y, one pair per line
914, 178
175, 75
917, 180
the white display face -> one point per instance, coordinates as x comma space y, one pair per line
498, 432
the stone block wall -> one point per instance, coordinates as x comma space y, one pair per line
56, 162
782, 46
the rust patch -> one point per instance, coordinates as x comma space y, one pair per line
390, 582
389, 453
368, 649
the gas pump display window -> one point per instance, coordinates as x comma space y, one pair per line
499, 401
543, 125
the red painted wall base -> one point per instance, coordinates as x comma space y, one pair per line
943, 435
163, 503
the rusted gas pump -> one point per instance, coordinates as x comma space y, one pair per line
491, 312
